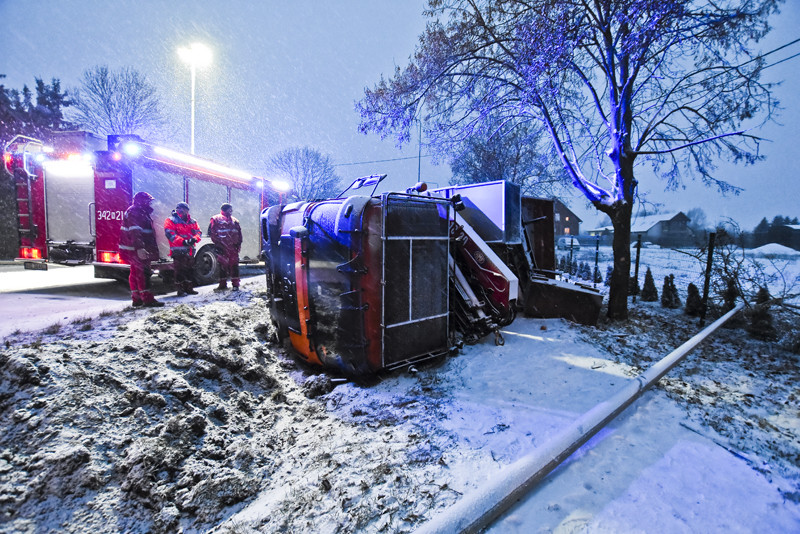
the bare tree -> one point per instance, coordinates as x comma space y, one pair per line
117, 102
311, 174
516, 153
614, 82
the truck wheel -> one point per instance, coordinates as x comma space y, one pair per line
206, 266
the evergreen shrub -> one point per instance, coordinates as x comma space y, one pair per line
649, 291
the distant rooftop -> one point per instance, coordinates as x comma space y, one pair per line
642, 224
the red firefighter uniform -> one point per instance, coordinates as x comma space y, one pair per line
137, 247
182, 232
226, 233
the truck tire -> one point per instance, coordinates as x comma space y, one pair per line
206, 266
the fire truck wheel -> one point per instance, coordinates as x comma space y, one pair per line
206, 267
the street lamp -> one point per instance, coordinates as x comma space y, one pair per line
196, 55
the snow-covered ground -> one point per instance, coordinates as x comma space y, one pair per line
778, 265
189, 418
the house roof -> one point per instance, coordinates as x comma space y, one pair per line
560, 206
641, 224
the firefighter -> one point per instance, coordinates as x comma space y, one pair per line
182, 232
226, 233
137, 247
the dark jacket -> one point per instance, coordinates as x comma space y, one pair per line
226, 233
178, 231
136, 234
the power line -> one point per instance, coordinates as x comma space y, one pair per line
380, 160
781, 61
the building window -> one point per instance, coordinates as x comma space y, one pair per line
566, 218
566, 231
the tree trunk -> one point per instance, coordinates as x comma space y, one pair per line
618, 289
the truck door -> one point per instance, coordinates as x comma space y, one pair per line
112, 193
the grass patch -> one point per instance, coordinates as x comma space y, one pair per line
53, 329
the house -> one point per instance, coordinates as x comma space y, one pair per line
664, 229
566, 222
603, 235
790, 236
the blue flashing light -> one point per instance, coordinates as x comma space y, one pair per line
132, 149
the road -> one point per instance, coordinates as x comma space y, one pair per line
33, 300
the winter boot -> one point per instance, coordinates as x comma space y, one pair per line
137, 303
153, 304
235, 288
187, 287
221, 287
181, 292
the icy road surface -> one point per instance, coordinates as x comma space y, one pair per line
34, 300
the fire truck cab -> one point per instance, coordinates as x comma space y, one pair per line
73, 190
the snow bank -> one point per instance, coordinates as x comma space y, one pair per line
190, 419
774, 250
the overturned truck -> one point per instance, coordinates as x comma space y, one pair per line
366, 282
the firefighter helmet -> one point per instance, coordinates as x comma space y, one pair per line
142, 198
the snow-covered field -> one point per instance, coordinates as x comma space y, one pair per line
189, 419
780, 265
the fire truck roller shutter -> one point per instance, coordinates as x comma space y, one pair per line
167, 191
70, 190
204, 200
246, 208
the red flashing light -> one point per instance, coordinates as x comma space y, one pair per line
7, 159
30, 253
116, 156
109, 257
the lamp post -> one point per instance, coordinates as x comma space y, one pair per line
196, 55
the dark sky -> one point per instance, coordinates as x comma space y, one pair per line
287, 74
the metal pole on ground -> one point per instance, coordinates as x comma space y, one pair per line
478, 509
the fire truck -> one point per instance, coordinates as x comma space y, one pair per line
73, 189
